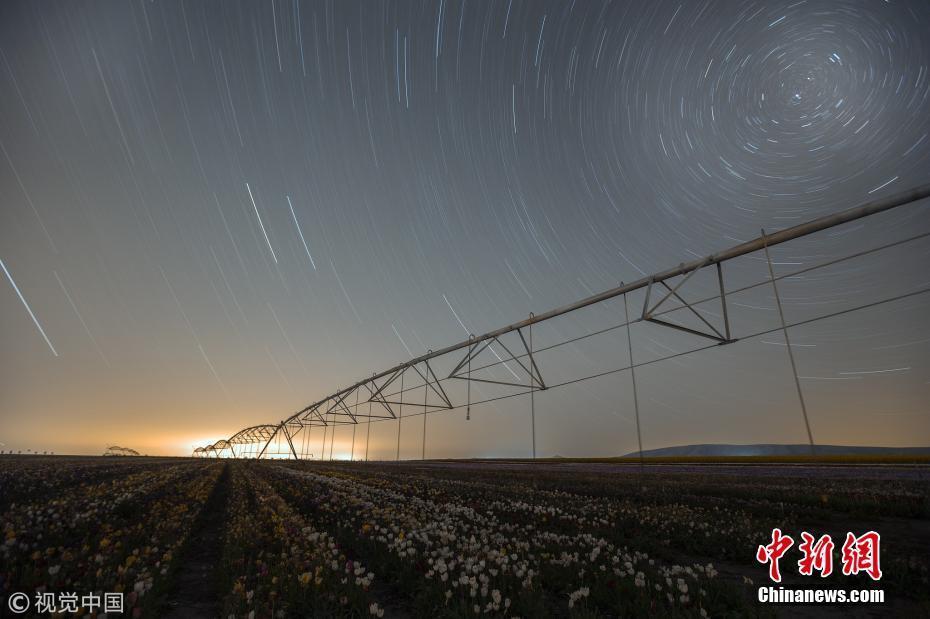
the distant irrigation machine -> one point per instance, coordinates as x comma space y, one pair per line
116, 450
505, 359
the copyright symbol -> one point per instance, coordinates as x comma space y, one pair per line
18, 602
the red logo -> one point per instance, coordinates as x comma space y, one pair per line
859, 554
817, 556
773, 552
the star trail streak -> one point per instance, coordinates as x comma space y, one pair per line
300, 232
259, 217
28, 309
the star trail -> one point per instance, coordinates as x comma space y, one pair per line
221, 211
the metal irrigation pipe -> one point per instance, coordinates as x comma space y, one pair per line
816, 225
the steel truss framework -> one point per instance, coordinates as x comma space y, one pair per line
243, 443
116, 450
416, 384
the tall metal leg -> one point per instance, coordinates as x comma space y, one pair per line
332, 442
400, 416
287, 435
425, 395
354, 427
532, 391
784, 329
468, 384
323, 448
629, 342
368, 440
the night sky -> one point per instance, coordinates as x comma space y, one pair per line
215, 213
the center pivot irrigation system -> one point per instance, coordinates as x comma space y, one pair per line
116, 450
479, 359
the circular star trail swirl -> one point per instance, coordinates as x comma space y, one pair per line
216, 212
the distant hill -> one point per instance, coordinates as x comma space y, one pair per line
778, 450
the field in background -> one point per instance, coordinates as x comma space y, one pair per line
827, 459
558, 537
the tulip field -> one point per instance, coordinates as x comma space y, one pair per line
445, 539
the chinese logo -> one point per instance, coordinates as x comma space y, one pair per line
66, 602
858, 554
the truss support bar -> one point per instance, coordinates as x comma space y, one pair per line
723, 301
696, 313
270, 438
529, 351
686, 330
674, 291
